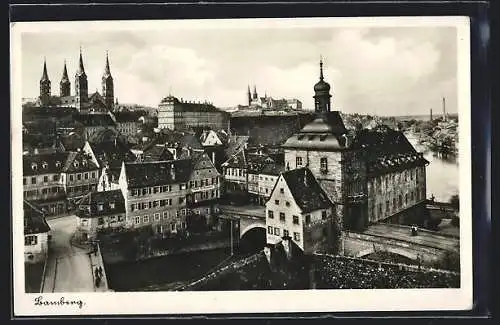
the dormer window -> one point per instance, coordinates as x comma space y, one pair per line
84, 162
58, 164
44, 165
111, 205
100, 207
75, 163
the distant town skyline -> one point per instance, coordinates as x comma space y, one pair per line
378, 71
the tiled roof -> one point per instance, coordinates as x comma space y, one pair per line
238, 160
272, 169
146, 174
158, 153
175, 138
126, 116
95, 120
112, 153
256, 162
78, 162
72, 142
112, 202
52, 163
306, 191
34, 219
387, 149
191, 106
235, 143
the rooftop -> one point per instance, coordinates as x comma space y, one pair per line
147, 174
34, 219
96, 204
51, 163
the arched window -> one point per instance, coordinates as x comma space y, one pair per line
44, 165
34, 166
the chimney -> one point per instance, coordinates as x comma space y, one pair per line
287, 246
267, 252
172, 171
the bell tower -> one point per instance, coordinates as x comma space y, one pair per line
321, 92
81, 85
107, 85
65, 84
45, 86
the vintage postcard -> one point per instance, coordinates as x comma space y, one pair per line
241, 166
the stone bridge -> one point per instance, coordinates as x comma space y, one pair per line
428, 246
249, 216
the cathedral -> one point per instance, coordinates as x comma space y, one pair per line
95, 103
370, 175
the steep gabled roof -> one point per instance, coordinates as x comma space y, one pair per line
272, 169
51, 163
89, 120
237, 160
182, 139
157, 153
78, 162
112, 202
112, 153
256, 162
34, 219
146, 174
305, 189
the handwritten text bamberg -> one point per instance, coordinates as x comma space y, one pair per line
39, 301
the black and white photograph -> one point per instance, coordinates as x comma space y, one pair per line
241, 165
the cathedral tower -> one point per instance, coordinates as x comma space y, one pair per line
44, 86
81, 85
65, 84
107, 86
321, 93
255, 93
249, 96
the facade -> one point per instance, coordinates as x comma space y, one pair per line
93, 124
80, 100
347, 163
79, 175
268, 176
236, 174
269, 103
204, 189
299, 208
99, 211
36, 234
155, 194
255, 165
127, 123
175, 114
42, 181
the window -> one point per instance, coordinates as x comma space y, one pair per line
394, 203
387, 206
296, 236
157, 216
111, 205
132, 207
323, 215
182, 186
282, 190
412, 195
33, 180
308, 219
298, 161
285, 233
277, 202
145, 219
45, 179
323, 164
172, 227
295, 220
86, 175
137, 220
181, 200
100, 207
71, 178
380, 209
287, 203
406, 199
55, 178
93, 174
270, 214
277, 231
120, 218
100, 221
30, 240
165, 214
270, 230
79, 177
282, 216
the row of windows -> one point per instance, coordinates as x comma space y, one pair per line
204, 195
153, 204
156, 217
85, 176
323, 163
398, 178
295, 219
204, 182
235, 172
30, 240
111, 219
277, 202
398, 204
54, 178
262, 178
276, 231
152, 190
43, 191
81, 189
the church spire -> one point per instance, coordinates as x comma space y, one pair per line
107, 71
107, 85
45, 76
65, 84
65, 72
81, 69
321, 67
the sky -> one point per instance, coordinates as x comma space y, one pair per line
377, 70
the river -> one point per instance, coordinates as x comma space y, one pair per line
442, 174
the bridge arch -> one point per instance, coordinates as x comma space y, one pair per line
394, 250
250, 227
252, 239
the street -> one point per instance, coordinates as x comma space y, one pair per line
68, 267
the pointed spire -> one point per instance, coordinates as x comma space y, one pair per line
321, 67
65, 72
45, 76
81, 69
107, 71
